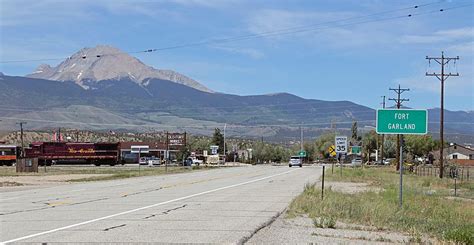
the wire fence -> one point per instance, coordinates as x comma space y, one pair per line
462, 173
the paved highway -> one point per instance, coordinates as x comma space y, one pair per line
224, 205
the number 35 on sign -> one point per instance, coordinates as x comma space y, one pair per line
341, 144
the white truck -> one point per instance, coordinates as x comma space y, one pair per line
194, 161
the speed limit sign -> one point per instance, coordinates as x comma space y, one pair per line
341, 144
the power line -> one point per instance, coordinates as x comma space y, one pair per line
285, 31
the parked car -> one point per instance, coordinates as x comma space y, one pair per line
153, 161
295, 161
356, 162
387, 161
143, 161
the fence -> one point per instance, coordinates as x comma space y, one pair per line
463, 173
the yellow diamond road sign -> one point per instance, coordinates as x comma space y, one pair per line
332, 150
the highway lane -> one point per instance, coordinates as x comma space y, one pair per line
217, 206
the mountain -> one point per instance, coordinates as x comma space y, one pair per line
117, 91
90, 65
165, 105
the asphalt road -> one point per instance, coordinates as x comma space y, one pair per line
224, 205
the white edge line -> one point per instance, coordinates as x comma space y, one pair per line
142, 208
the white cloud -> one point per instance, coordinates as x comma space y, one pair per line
466, 48
340, 29
440, 36
204, 3
252, 53
33, 12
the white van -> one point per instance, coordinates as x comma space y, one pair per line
295, 161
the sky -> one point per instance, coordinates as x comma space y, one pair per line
346, 50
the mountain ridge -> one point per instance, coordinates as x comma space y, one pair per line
90, 65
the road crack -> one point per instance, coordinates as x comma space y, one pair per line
165, 212
114, 227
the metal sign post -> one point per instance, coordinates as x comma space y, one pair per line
341, 148
400, 197
401, 121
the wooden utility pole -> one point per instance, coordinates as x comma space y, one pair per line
383, 136
167, 150
21, 138
442, 77
399, 102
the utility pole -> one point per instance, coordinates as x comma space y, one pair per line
225, 126
383, 136
301, 143
442, 77
301, 140
399, 102
21, 137
167, 151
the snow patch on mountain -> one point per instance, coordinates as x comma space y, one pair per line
91, 65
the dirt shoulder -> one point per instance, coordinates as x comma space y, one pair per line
13, 183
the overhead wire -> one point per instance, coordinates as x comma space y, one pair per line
284, 31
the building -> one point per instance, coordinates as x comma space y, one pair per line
156, 149
456, 154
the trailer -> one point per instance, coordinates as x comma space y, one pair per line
8, 154
67, 152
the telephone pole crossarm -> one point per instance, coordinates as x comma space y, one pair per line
398, 101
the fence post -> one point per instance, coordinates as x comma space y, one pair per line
455, 186
322, 184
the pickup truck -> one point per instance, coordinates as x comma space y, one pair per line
194, 161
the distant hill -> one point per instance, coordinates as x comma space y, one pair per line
103, 88
124, 105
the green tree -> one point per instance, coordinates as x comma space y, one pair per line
199, 144
322, 144
389, 147
354, 130
369, 143
218, 139
419, 145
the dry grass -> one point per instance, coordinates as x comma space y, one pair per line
425, 210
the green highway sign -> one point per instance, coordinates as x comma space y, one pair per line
402, 121
355, 149
302, 153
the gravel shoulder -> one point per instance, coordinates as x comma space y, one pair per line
301, 230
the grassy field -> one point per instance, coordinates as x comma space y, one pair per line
427, 208
109, 173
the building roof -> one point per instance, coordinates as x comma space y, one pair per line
151, 145
455, 148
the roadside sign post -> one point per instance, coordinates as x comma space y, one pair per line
400, 197
401, 121
332, 153
341, 148
322, 183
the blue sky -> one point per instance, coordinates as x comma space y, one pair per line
333, 62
